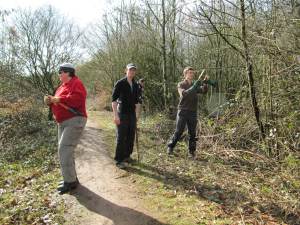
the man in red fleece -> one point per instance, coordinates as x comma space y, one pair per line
69, 110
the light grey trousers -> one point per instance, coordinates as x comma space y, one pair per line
69, 133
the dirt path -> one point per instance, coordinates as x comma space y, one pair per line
105, 195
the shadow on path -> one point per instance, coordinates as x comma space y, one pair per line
118, 214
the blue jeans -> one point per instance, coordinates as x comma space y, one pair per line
189, 118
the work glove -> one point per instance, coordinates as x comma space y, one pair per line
213, 83
193, 88
196, 84
206, 80
47, 100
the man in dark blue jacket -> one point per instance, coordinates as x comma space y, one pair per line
126, 107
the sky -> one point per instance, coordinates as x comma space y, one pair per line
82, 11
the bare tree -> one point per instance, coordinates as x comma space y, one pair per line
237, 41
39, 41
162, 21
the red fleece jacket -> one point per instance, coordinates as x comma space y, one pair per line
72, 94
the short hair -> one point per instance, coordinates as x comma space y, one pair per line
72, 74
67, 68
187, 69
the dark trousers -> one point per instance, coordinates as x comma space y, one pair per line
184, 118
125, 136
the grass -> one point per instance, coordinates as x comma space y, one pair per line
29, 173
222, 186
27, 194
27, 191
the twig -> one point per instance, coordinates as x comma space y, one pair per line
251, 153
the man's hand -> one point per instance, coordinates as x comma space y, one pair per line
114, 106
55, 100
47, 100
117, 120
137, 111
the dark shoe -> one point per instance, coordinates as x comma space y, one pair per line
71, 185
170, 151
66, 187
63, 189
129, 160
121, 165
62, 181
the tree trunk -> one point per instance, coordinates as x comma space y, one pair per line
249, 70
164, 56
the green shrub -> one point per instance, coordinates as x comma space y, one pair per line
24, 130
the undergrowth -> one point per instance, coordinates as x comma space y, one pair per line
28, 166
223, 185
